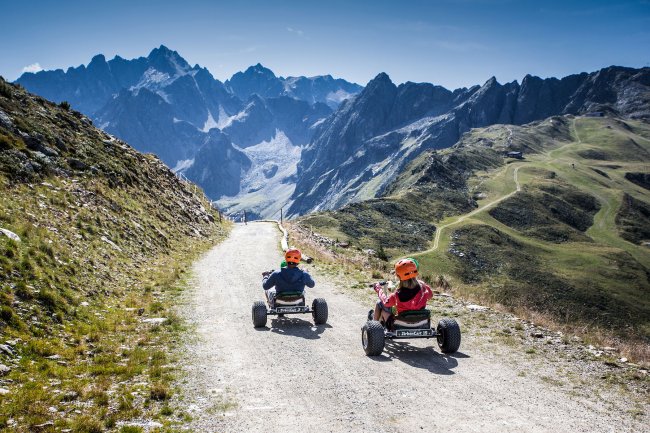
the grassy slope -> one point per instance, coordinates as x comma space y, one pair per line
106, 235
601, 281
596, 277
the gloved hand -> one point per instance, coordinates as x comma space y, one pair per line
265, 274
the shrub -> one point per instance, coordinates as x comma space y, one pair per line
8, 316
131, 429
65, 105
442, 282
166, 411
87, 424
22, 291
51, 300
159, 392
5, 89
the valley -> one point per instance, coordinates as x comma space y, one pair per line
126, 290
545, 233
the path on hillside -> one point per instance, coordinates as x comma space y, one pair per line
462, 218
293, 376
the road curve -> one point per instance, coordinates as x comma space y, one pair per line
294, 376
439, 229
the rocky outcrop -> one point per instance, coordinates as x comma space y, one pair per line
218, 167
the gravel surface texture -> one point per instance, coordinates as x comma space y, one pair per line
295, 376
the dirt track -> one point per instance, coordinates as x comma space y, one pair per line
293, 376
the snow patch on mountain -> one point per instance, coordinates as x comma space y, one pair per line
337, 97
225, 120
210, 123
153, 79
183, 164
268, 185
180, 70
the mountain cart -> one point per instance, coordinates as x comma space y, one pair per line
407, 325
289, 303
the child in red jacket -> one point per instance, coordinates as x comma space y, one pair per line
412, 294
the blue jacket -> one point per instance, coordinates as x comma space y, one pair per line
288, 280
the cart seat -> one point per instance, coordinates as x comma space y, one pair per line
413, 319
289, 298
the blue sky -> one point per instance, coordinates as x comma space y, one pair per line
454, 43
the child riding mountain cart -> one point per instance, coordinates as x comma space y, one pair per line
412, 320
284, 291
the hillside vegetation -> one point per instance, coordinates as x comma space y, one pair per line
572, 244
96, 237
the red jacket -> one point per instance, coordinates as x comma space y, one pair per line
418, 302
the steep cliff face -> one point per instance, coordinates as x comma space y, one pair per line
218, 166
358, 150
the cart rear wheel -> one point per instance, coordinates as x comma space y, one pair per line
259, 314
448, 335
372, 338
319, 311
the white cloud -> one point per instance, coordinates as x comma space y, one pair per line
296, 31
34, 67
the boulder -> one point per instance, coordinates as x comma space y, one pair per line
11, 235
5, 120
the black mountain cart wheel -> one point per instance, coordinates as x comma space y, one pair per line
259, 314
448, 335
319, 311
372, 338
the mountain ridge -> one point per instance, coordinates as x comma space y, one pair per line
403, 124
161, 104
354, 152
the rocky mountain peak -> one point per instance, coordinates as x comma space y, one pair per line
379, 87
97, 59
165, 60
259, 69
255, 79
161, 51
381, 78
99, 66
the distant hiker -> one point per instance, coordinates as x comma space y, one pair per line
411, 294
287, 279
573, 165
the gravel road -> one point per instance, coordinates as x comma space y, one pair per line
294, 376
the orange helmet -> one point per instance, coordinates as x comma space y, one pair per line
292, 255
406, 269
